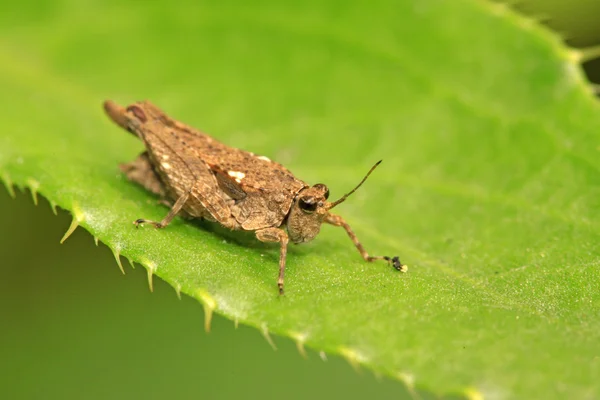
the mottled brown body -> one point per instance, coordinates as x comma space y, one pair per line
203, 178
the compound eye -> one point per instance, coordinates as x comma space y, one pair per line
323, 187
307, 204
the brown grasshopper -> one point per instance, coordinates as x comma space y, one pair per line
199, 177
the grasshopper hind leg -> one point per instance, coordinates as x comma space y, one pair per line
195, 202
169, 217
142, 172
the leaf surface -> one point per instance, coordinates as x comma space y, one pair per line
489, 189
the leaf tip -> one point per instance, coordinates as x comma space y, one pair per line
264, 330
151, 268
586, 54
409, 381
116, 250
77, 218
53, 207
209, 304
33, 187
178, 290
322, 355
353, 357
8, 184
300, 339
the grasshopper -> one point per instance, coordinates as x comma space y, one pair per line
199, 177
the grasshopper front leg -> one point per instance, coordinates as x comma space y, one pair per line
276, 235
336, 220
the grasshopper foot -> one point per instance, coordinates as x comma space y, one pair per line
142, 221
395, 261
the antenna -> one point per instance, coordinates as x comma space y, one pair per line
344, 197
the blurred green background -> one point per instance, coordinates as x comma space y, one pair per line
74, 327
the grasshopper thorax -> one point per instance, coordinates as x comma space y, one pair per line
307, 213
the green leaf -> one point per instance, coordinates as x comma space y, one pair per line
489, 189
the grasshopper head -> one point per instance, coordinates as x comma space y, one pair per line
307, 213
135, 115
309, 209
